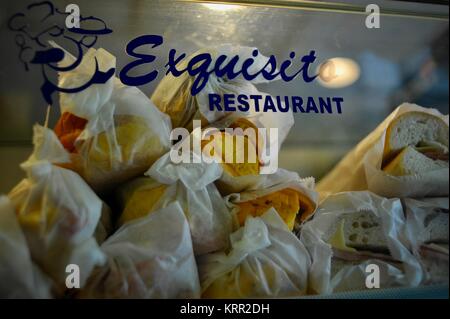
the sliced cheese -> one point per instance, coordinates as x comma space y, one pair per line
286, 202
337, 240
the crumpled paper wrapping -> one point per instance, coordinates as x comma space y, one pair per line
20, 277
263, 143
228, 183
265, 260
173, 96
150, 257
57, 211
282, 179
125, 132
355, 277
416, 211
360, 169
192, 185
314, 233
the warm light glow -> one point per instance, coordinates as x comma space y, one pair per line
338, 73
221, 7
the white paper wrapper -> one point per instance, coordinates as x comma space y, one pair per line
192, 185
353, 278
150, 257
361, 168
19, 276
435, 268
57, 211
125, 132
282, 179
229, 184
266, 260
260, 141
316, 232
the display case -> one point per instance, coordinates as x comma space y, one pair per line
404, 60
377, 63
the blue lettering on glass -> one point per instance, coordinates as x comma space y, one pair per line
198, 68
228, 70
154, 40
35, 44
274, 104
199, 65
269, 75
246, 65
172, 63
35, 50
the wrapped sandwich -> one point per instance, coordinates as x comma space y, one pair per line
293, 198
150, 257
113, 132
415, 143
237, 151
266, 260
192, 185
57, 211
174, 97
20, 277
406, 156
427, 222
353, 230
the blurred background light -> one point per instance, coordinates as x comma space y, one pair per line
338, 73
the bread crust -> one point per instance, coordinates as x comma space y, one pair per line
391, 133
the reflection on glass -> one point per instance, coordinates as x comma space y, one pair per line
338, 73
222, 7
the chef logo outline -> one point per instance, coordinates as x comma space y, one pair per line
35, 47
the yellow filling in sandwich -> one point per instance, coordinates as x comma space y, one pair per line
287, 202
238, 153
68, 129
141, 202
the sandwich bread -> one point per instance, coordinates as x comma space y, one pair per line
415, 143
